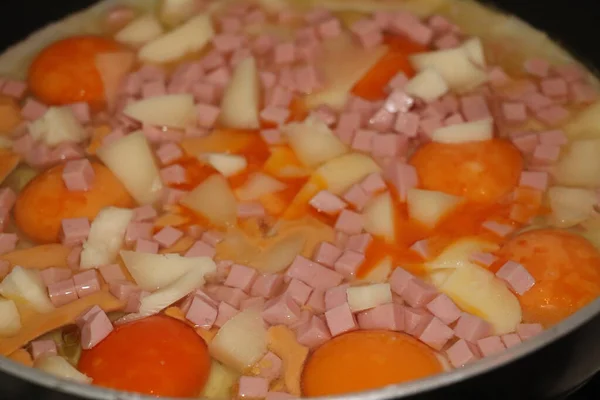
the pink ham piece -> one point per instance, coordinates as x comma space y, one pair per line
201, 313
270, 366
279, 97
153, 89
363, 140
534, 180
14, 88
281, 310
66, 152
313, 333
526, 142
74, 231
272, 136
359, 243
474, 107
257, 303
325, 114
497, 76
553, 138
224, 313
168, 153
407, 124
447, 41
416, 320
510, 340
356, 196
232, 296
81, 110
205, 92
327, 203
472, 328
252, 387
173, 175
381, 121
207, 115
444, 308
226, 43
545, 154
33, 109
340, 320
255, 17
386, 316
462, 353
23, 144
62, 292
78, 175
284, 53
313, 274
527, 331
146, 246
54, 274
399, 280
341, 239
348, 124
454, 119
421, 247
418, 293
554, 87
373, 184
349, 222
167, 236
307, 78
484, 259
267, 285
499, 229
329, 28
298, 291
436, 334
582, 93
490, 345
349, 263
87, 315
43, 347
316, 301
8, 242
73, 258
122, 290
537, 67
241, 277
327, 254
138, 230
95, 330
336, 296
213, 237
201, 249
552, 115
514, 112
536, 101
516, 276
276, 115
86, 283
171, 196
402, 176
410, 26
111, 273
367, 32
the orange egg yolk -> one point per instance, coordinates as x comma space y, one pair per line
158, 356
479, 171
365, 360
65, 72
566, 268
45, 202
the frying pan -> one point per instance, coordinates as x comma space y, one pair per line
550, 366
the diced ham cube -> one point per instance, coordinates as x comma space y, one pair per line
276, 115
336, 296
138, 230
232, 296
546, 154
340, 320
213, 237
201, 249
78, 175
284, 53
153, 89
241, 277
267, 285
73, 257
252, 387
111, 273
510, 340
85, 316
462, 353
553, 138
485, 259
402, 176
554, 87
329, 28
526, 142
385, 316
516, 276
122, 290
472, 328
373, 184
413, 28
313, 274
255, 17
499, 229
534, 180
348, 124
278, 97
447, 41
490, 345
298, 291
53, 274
86, 283
62, 292
418, 293
169, 152
421, 247
349, 222
14, 88
359, 243
226, 43
474, 107
328, 203
436, 334
536, 101
497, 76
582, 93
43, 347
399, 280
327, 254
250, 210
407, 124
167, 236
526, 331
313, 333
363, 140
316, 301
514, 112
270, 366
349, 262
553, 115
146, 246
416, 320
207, 115
444, 308
272, 136
201, 313
74, 231
281, 310
224, 313
356, 196
33, 109
341, 239
257, 303
537, 67
8, 242
95, 330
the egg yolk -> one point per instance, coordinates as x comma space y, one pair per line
65, 72
566, 268
479, 171
158, 356
45, 202
365, 360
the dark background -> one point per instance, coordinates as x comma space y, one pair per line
579, 34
